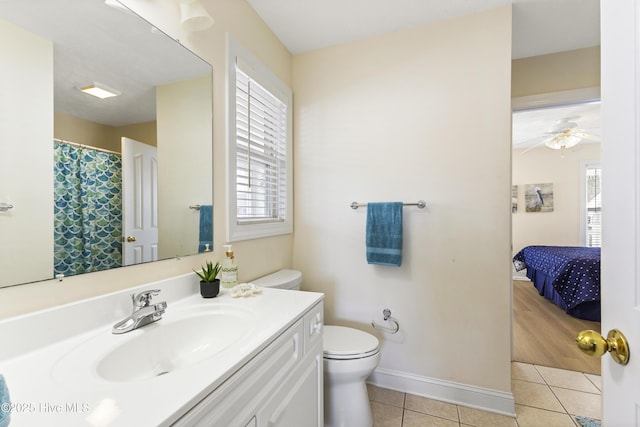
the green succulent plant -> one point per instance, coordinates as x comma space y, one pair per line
209, 271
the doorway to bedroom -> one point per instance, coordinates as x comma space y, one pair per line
556, 202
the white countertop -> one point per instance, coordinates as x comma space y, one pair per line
42, 394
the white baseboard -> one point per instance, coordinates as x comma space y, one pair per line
519, 275
498, 402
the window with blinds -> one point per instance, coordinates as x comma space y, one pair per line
261, 149
593, 214
259, 194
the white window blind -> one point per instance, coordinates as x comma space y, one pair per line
261, 153
259, 161
593, 214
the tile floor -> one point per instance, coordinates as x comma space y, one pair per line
544, 396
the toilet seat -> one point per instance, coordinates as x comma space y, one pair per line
340, 343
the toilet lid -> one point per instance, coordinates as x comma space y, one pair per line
340, 342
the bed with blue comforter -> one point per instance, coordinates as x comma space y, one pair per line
568, 276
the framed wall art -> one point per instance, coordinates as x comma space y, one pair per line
538, 197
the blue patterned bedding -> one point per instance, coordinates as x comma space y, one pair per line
568, 276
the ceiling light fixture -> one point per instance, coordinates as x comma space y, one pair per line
566, 140
193, 16
99, 90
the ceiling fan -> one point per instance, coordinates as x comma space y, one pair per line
565, 133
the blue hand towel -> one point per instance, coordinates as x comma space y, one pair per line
5, 403
206, 227
384, 233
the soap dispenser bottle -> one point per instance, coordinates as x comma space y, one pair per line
229, 270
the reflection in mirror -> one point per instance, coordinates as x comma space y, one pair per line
80, 201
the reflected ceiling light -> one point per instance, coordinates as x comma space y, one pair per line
99, 90
193, 16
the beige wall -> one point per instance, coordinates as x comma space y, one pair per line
80, 131
185, 179
241, 20
146, 132
74, 129
542, 165
26, 126
416, 114
574, 69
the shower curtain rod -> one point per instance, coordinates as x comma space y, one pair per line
75, 144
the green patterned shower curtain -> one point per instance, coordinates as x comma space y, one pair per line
87, 210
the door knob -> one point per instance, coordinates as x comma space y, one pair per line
131, 239
594, 344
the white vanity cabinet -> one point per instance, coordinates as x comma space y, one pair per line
225, 361
282, 386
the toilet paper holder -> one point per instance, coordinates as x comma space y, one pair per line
387, 317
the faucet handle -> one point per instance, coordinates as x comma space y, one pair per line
143, 299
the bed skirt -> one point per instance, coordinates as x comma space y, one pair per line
543, 283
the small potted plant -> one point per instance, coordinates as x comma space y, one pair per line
209, 284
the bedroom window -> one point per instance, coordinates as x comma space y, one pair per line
259, 192
592, 206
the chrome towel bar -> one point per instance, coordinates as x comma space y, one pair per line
421, 204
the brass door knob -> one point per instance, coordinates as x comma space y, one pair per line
594, 344
131, 239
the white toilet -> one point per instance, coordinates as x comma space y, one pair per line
350, 356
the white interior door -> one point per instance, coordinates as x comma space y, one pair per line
139, 202
621, 214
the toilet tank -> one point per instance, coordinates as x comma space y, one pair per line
282, 279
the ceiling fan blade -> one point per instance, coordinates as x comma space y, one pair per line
526, 142
544, 141
584, 135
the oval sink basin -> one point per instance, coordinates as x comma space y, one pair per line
166, 347
160, 348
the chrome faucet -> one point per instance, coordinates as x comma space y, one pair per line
143, 312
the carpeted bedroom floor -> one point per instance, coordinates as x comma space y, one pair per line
543, 334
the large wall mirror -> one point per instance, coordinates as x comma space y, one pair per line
88, 184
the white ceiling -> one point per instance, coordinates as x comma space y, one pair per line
539, 26
96, 43
532, 127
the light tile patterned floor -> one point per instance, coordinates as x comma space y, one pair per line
544, 396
